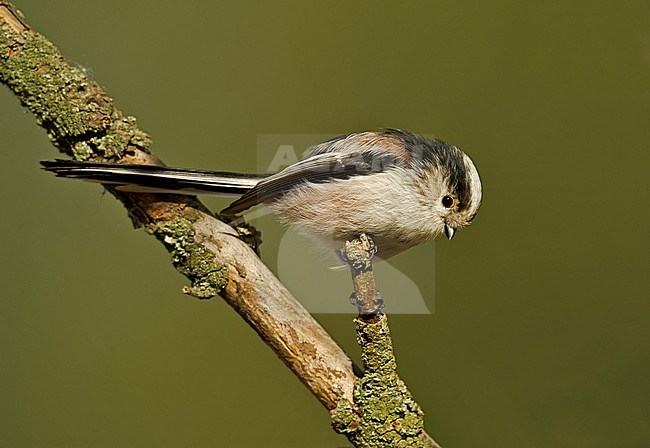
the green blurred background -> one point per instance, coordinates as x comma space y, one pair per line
540, 332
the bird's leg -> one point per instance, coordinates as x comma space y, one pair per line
358, 254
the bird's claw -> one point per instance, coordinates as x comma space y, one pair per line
359, 257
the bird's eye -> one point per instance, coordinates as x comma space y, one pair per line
447, 201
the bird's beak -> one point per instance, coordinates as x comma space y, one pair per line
449, 231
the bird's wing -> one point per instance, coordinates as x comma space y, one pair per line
335, 159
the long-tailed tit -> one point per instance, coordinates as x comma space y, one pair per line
397, 187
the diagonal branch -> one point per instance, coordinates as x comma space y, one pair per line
82, 121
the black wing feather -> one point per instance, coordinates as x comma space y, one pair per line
323, 167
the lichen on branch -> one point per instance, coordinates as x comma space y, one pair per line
77, 114
191, 259
384, 412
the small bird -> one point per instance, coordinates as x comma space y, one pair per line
399, 188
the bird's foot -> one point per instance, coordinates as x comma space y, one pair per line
359, 252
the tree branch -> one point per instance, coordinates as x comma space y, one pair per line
82, 121
384, 412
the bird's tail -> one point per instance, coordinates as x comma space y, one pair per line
155, 179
